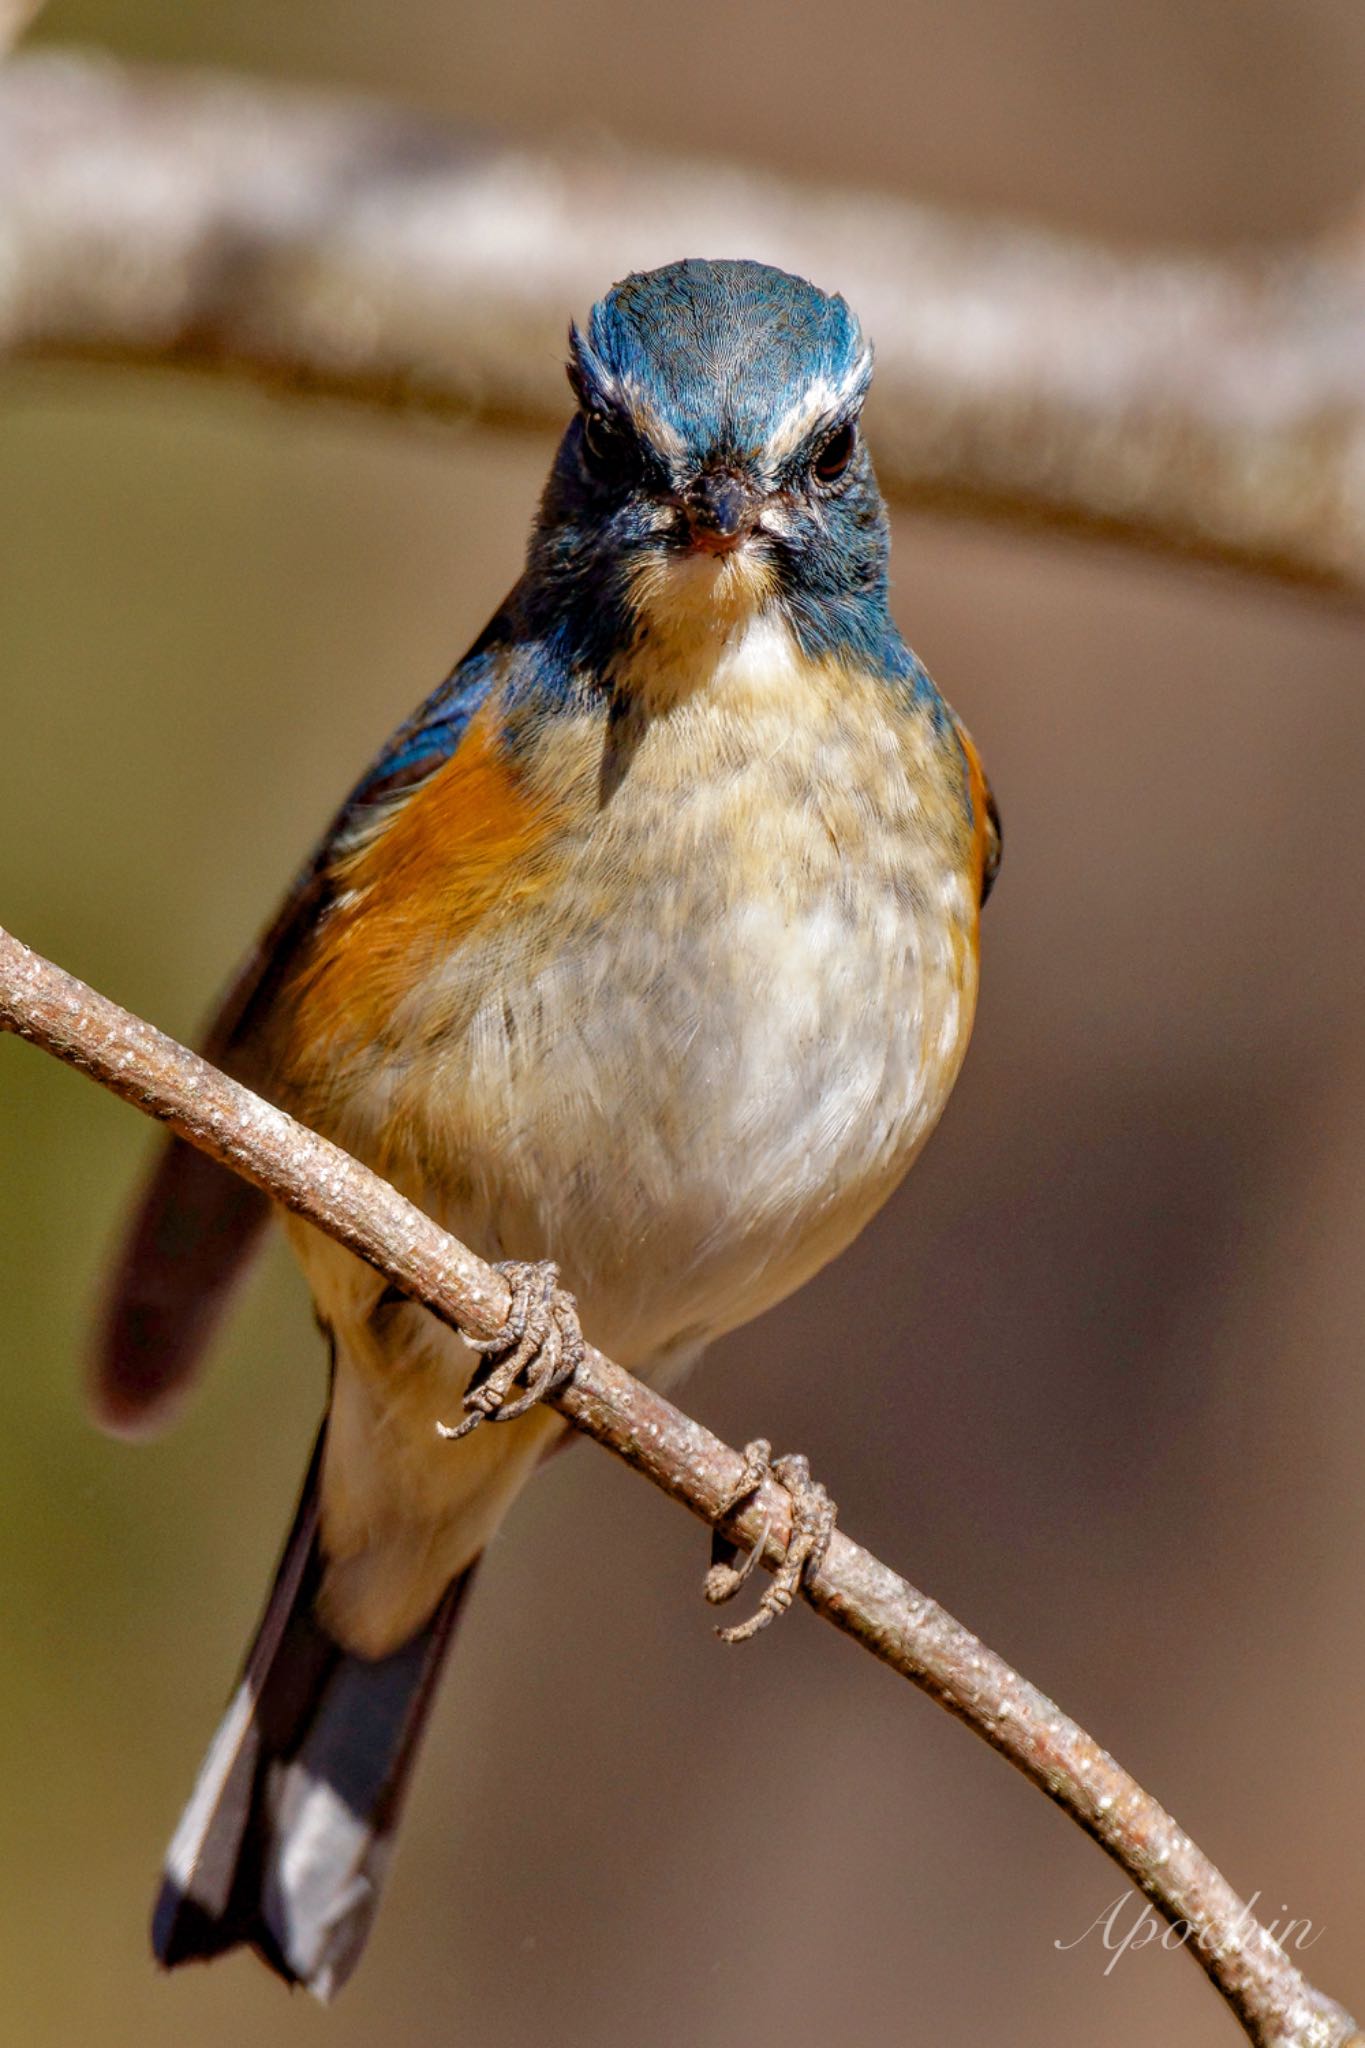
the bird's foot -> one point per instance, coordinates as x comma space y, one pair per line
538, 1348
813, 1514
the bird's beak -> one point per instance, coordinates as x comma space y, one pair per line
722, 511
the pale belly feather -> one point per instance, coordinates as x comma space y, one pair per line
691, 1088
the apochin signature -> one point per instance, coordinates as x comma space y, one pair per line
1130, 1924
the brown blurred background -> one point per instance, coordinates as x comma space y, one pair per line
1113, 1412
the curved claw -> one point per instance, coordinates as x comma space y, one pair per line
813, 1517
725, 1577
539, 1346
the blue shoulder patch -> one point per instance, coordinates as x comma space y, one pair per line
426, 740
535, 679
902, 666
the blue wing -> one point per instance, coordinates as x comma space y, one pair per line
196, 1225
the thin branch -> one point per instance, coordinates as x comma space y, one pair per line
1207, 406
16, 17
861, 1596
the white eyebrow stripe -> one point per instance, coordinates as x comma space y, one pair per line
666, 438
822, 397
625, 393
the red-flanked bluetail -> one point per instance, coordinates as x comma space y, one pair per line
649, 946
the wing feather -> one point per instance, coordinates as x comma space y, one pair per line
195, 1226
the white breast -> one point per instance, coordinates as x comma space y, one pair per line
701, 1066
689, 1071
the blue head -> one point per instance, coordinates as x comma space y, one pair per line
715, 465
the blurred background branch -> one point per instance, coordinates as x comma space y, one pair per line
1118, 1302
1212, 407
901, 1626
15, 17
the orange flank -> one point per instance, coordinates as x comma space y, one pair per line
985, 840
467, 844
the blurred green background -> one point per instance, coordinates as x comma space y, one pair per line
1111, 1408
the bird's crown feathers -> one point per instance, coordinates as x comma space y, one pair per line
732, 354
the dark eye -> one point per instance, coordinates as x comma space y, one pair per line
837, 453
609, 453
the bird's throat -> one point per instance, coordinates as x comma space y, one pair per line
702, 621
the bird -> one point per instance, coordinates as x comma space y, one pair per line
647, 947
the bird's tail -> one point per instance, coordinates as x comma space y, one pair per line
286, 1838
